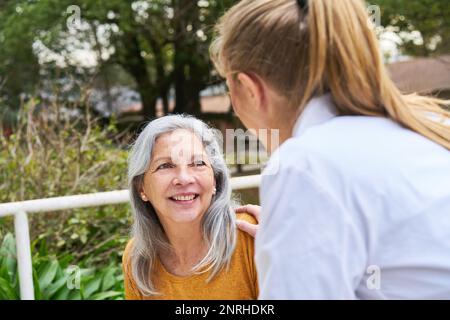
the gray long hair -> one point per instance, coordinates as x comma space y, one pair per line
218, 223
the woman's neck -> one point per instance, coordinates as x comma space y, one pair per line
188, 247
274, 139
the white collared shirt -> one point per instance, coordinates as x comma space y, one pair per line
354, 207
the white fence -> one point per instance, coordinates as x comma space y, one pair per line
20, 210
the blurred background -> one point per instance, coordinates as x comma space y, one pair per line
78, 79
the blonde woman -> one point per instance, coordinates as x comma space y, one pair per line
185, 243
356, 199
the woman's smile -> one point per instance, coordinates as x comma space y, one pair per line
184, 198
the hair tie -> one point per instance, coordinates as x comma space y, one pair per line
303, 4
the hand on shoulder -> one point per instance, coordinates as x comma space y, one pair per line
246, 224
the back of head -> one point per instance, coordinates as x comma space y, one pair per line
325, 46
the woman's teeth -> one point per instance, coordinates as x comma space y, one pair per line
184, 198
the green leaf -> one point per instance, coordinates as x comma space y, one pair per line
54, 287
62, 294
108, 279
7, 291
9, 243
65, 260
8, 257
48, 274
91, 287
74, 295
43, 248
37, 288
106, 295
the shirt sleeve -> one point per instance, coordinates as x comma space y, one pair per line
131, 290
308, 245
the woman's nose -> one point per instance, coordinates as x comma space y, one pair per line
183, 176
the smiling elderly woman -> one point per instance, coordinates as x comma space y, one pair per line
185, 244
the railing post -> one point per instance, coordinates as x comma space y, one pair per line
23, 250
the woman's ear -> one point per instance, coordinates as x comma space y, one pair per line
142, 194
215, 187
143, 197
253, 88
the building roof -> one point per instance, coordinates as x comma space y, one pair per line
423, 75
209, 104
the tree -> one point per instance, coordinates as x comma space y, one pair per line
162, 44
16, 76
429, 17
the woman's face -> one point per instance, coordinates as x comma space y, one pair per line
179, 182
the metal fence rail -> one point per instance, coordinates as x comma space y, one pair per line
21, 209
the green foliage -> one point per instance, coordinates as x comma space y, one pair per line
429, 17
51, 154
56, 279
75, 152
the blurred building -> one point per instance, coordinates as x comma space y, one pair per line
423, 75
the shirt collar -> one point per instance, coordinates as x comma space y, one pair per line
317, 111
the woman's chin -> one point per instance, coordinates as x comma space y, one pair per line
185, 211
185, 216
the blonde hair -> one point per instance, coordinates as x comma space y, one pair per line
328, 47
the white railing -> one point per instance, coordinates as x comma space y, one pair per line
22, 208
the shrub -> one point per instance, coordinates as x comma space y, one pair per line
52, 153
58, 280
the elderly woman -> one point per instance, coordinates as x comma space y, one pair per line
184, 244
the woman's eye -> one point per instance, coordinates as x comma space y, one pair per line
164, 166
199, 163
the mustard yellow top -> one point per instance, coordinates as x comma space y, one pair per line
239, 282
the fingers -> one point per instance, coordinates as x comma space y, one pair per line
252, 209
248, 208
247, 227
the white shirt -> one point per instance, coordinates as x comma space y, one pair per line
354, 207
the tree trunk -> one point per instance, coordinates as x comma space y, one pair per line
165, 102
187, 91
163, 80
135, 64
148, 101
